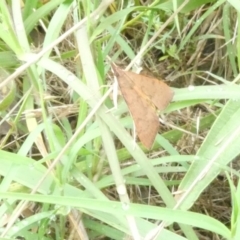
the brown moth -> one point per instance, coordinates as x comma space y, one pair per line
143, 95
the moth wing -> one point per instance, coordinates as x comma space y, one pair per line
158, 92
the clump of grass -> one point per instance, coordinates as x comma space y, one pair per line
68, 163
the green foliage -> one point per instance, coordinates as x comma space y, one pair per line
67, 152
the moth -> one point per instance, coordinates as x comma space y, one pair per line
144, 95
